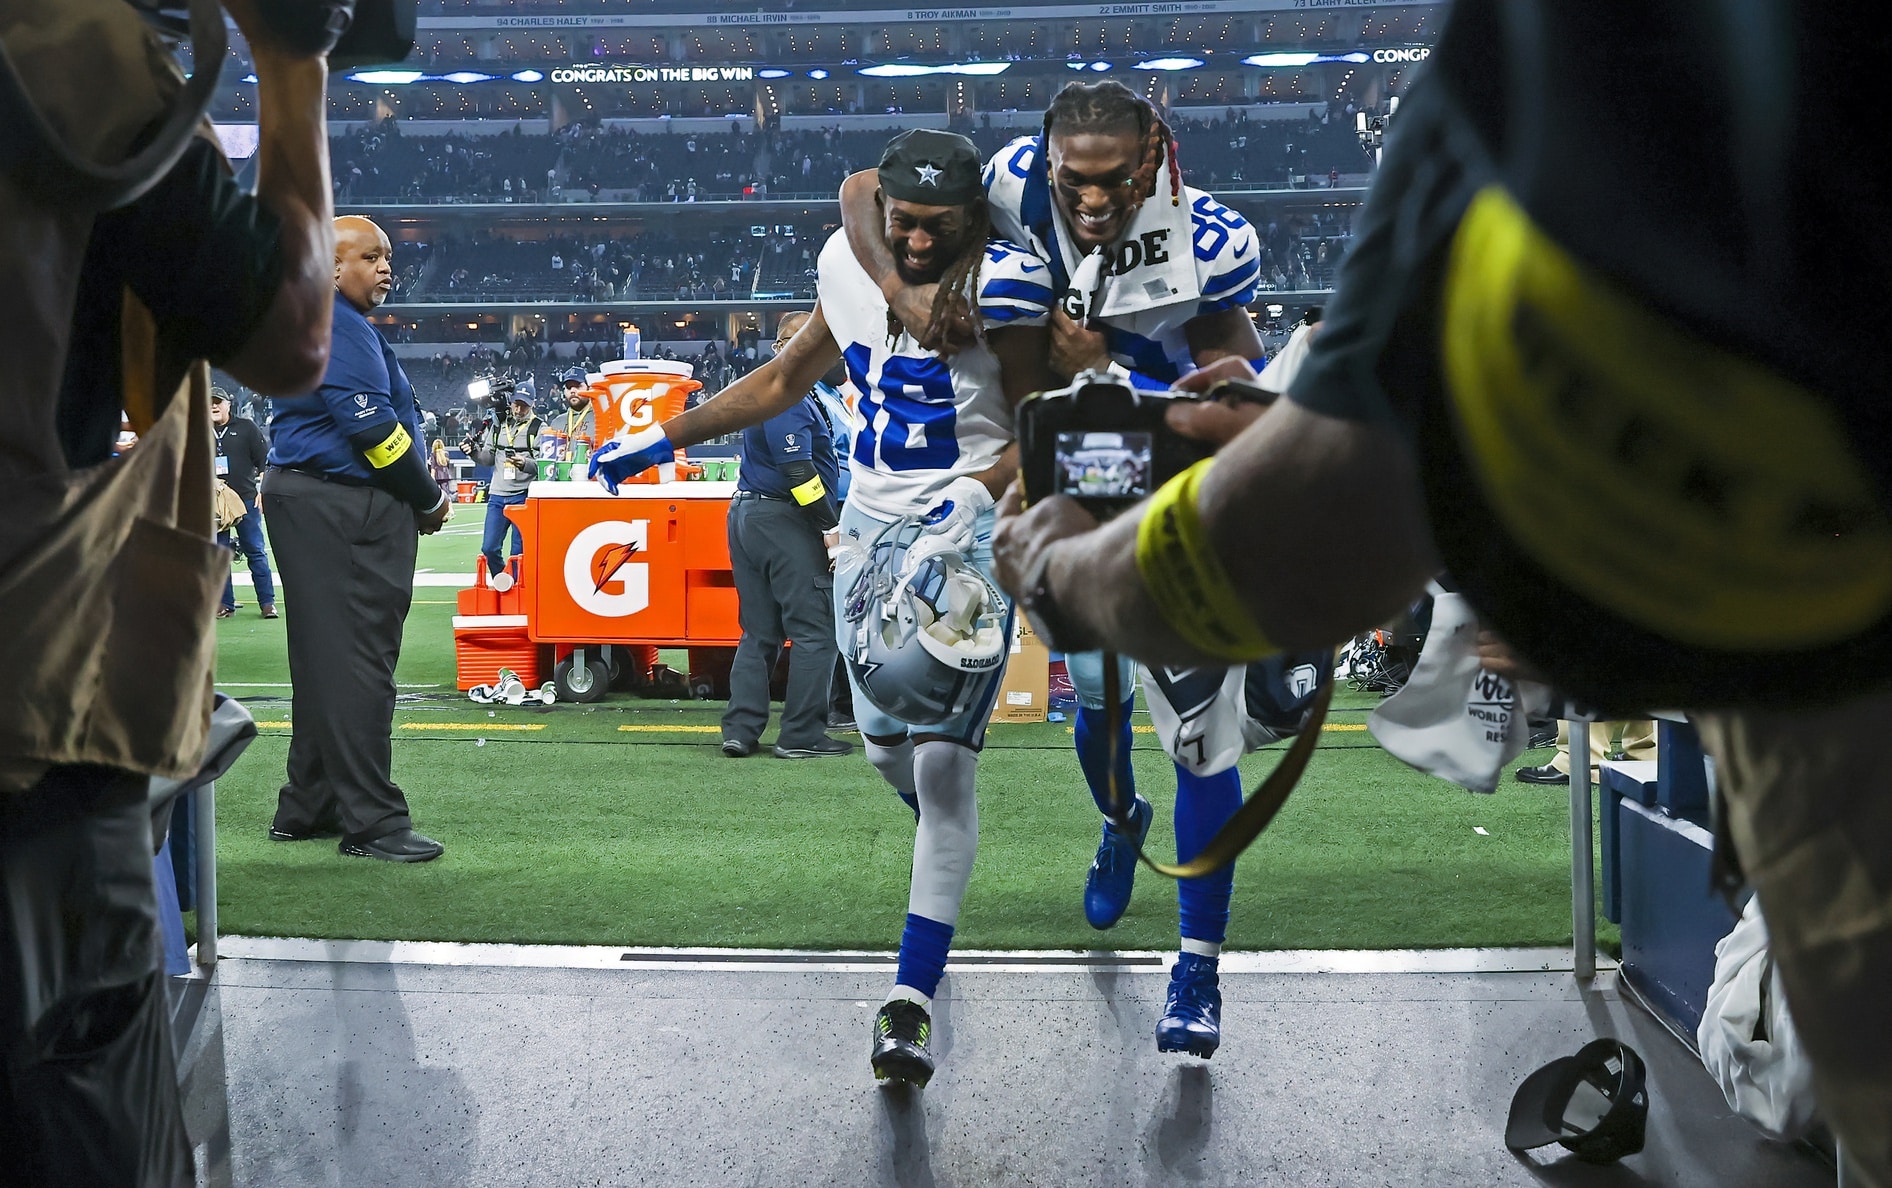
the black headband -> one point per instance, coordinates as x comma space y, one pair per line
933, 167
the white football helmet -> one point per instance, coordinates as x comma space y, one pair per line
924, 631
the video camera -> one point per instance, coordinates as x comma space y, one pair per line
1108, 444
362, 32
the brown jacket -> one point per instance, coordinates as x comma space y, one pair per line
108, 575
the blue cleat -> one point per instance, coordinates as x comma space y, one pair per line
1107, 884
1192, 1018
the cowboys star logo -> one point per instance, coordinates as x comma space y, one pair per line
929, 175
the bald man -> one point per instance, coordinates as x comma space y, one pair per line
346, 499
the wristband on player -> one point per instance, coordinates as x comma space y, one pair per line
1185, 578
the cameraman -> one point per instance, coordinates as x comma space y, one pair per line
114, 303
508, 446
1526, 351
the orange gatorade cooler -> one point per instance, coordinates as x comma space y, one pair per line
635, 394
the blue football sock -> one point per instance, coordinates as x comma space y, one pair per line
1093, 754
923, 948
1203, 804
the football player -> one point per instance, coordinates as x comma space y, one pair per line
1153, 280
932, 450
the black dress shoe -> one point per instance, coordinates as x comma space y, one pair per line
841, 720
820, 748
1543, 775
735, 748
315, 834
403, 845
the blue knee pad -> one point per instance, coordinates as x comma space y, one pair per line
1203, 805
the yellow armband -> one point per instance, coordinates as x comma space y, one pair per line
389, 452
1185, 578
809, 492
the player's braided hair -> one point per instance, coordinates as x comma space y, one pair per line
961, 278
1110, 106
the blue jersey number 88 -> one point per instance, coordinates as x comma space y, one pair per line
927, 418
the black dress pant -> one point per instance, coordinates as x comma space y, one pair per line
786, 593
88, 1087
347, 559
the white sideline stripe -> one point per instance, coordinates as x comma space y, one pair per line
783, 961
458, 581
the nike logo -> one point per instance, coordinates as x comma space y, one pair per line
1031, 267
1242, 251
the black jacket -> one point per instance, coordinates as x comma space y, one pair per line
242, 443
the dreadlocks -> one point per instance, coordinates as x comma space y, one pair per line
1112, 107
961, 278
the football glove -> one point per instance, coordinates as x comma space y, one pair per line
956, 517
630, 454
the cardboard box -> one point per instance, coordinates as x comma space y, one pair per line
1027, 688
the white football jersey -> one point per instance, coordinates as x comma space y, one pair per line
924, 421
1227, 254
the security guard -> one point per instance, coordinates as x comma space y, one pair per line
346, 498
781, 524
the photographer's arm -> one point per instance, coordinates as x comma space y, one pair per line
287, 350
1282, 511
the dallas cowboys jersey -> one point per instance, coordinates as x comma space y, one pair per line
1227, 255
924, 421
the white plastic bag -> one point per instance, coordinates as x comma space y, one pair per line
1747, 1038
1452, 719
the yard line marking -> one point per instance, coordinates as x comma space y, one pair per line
452, 580
1334, 726
778, 963
671, 729
513, 726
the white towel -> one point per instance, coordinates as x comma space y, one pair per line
1159, 222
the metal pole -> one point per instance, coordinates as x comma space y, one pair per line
1582, 855
206, 819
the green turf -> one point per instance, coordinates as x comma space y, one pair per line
579, 832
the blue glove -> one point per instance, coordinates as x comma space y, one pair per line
630, 454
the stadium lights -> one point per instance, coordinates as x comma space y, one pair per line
817, 74
386, 78
908, 70
1169, 64
772, 73
468, 76
528, 76
1281, 59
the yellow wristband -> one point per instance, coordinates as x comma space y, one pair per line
389, 452
1185, 578
809, 492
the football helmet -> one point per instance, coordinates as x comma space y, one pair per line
924, 631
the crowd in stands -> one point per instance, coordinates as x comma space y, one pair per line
379, 163
710, 265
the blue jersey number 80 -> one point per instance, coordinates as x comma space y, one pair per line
917, 397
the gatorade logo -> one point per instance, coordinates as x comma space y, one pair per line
601, 572
638, 407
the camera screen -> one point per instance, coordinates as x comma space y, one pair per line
1103, 465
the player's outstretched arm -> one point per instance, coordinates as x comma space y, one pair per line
1023, 353
1225, 333
771, 388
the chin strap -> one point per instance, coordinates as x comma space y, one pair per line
1240, 830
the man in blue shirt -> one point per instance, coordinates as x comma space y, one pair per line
781, 524
346, 499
